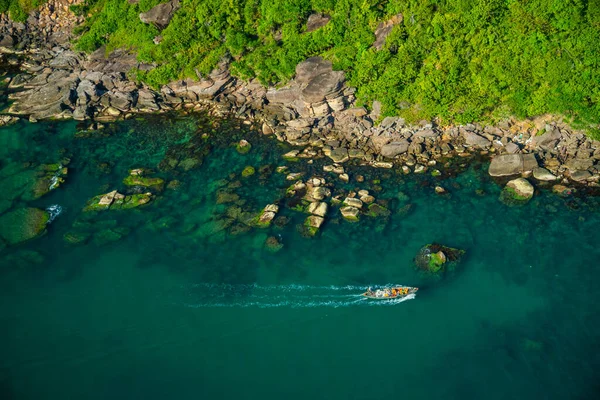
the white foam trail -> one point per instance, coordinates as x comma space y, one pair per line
290, 287
54, 211
290, 296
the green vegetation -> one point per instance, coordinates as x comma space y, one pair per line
436, 261
19, 10
459, 60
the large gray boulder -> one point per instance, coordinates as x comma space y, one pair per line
542, 174
311, 68
322, 86
474, 140
161, 14
512, 164
393, 149
548, 140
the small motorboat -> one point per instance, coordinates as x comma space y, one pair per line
394, 292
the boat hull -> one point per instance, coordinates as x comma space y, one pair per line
396, 292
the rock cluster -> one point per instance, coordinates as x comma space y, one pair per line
315, 111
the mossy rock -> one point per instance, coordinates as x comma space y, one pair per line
23, 224
138, 180
435, 260
273, 244
93, 204
377, 210
49, 177
516, 192
261, 220
132, 201
311, 225
226, 196
248, 171
510, 197
76, 237
300, 206
243, 147
106, 236
121, 203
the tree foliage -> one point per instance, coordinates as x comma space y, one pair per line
459, 60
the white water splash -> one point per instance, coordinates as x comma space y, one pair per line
54, 210
54, 179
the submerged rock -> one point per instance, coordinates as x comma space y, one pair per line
136, 178
377, 210
562, 190
248, 171
273, 244
435, 260
23, 224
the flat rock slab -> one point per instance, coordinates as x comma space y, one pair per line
339, 155
312, 67
426, 133
323, 85
512, 164
542, 174
579, 176
474, 140
393, 149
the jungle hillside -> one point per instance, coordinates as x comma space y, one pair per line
455, 60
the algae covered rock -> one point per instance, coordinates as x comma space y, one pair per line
115, 200
435, 260
49, 177
248, 171
23, 224
312, 224
350, 213
273, 244
243, 146
137, 177
518, 191
263, 220
377, 210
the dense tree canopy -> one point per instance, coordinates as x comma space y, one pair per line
459, 60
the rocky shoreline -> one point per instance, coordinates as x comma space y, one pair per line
316, 111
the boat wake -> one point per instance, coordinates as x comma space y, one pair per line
290, 296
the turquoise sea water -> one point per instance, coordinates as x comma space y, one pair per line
172, 300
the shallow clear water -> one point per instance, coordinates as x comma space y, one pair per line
178, 305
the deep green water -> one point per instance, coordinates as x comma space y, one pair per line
164, 302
